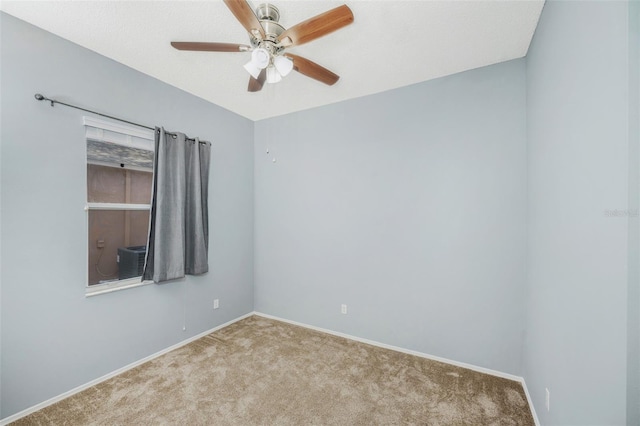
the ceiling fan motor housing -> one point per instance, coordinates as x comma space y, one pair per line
268, 15
267, 11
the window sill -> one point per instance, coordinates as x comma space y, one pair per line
97, 289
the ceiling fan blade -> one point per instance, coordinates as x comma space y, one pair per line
317, 26
313, 70
210, 47
255, 85
243, 13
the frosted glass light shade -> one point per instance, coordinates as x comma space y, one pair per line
252, 69
283, 64
273, 76
260, 58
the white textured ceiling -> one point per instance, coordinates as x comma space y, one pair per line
390, 44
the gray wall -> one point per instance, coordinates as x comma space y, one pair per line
53, 337
578, 160
633, 298
409, 207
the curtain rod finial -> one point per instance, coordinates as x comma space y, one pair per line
40, 97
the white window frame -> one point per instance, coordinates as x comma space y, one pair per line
122, 134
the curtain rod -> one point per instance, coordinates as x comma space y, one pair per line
41, 97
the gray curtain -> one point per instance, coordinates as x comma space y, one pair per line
179, 225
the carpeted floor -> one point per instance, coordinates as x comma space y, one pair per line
264, 372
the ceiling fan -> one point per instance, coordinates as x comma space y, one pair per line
268, 41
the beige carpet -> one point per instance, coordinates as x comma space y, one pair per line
266, 372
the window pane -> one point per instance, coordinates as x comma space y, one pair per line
113, 234
140, 187
107, 184
118, 172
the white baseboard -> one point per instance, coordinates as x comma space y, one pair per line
415, 353
80, 388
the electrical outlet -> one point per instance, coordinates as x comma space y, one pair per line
100, 243
547, 398
216, 303
343, 309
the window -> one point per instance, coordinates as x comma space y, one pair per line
119, 182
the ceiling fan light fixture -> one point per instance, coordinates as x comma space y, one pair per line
273, 76
268, 40
252, 69
260, 58
283, 64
